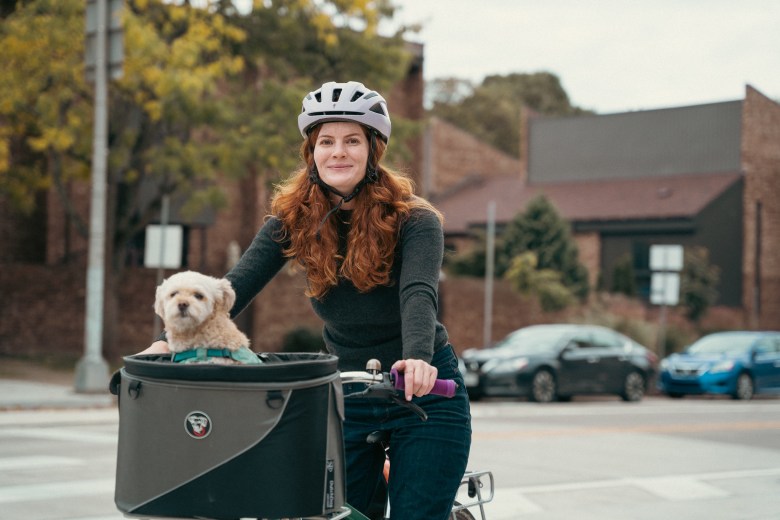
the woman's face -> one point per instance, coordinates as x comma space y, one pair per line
341, 155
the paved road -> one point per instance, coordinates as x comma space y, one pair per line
689, 459
602, 459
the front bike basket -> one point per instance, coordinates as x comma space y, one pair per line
230, 441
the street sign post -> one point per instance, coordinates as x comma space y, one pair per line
666, 262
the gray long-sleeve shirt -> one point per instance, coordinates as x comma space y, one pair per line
387, 323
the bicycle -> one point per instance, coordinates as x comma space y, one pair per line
182, 453
384, 385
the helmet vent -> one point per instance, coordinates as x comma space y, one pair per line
379, 108
318, 95
336, 94
356, 96
371, 94
336, 113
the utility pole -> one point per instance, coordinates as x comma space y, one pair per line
490, 253
92, 368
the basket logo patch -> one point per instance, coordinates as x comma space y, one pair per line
198, 425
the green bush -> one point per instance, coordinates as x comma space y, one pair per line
525, 278
624, 277
468, 263
698, 283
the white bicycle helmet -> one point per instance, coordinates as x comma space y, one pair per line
350, 101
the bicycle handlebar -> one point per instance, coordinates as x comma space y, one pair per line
395, 379
443, 387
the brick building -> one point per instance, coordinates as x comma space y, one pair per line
706, 175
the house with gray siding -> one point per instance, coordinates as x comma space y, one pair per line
699, 175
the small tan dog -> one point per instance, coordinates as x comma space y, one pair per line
196, 311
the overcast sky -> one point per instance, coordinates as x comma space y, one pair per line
610, 55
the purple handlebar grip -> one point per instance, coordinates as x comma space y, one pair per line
443, 387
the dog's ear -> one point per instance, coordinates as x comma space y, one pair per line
227, 296
159, 301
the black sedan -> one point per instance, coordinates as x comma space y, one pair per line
549, 362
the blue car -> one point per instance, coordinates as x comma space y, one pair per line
739, 364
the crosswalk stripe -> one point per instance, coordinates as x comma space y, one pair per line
57, 434
39, 461
56, 490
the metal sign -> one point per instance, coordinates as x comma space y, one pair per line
115, 46
666, 258
665, 289
163, 247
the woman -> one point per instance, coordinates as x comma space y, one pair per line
372, 252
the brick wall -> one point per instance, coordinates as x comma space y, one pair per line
43, 310
589, 248
63, 240
761, 165
454, 156
22, 236
37, 320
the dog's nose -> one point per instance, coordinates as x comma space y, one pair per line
183, 306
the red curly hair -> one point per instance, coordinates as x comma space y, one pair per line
380, 209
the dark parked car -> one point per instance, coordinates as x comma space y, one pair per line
549, 362
738, 363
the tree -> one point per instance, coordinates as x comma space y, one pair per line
491, 110
45, 110
698, 282
540, 229
206, 92
525, 277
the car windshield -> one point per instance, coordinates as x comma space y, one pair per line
723, 344
531, 340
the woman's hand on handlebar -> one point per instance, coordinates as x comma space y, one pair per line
158, 347
419, 376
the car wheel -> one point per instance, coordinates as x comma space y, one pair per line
633, 387
543, 387
744, 389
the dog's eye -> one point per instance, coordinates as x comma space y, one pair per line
174, 293
199, 296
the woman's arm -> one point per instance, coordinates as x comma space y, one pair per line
422, 249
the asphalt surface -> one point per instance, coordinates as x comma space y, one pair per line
47, 390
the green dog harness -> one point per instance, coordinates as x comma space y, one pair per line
200, 355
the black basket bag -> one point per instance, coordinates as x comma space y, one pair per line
230, 441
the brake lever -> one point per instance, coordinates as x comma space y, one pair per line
412, 406
379, 390
383, 391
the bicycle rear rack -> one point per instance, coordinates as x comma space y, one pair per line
479, 490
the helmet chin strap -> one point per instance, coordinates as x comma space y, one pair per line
371, 176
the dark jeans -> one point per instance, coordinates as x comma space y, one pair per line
427, 459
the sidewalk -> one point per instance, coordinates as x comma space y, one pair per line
27, 386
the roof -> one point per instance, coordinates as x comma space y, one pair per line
646, 143
677, 196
